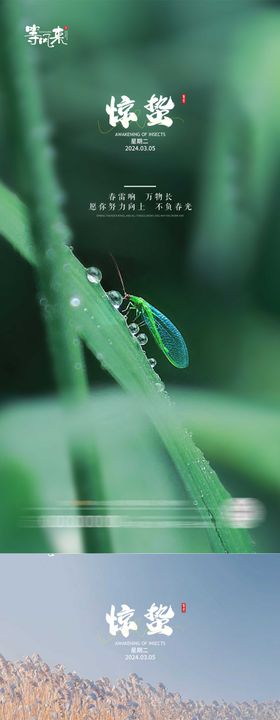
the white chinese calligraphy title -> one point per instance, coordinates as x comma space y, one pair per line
122, 112
158, 616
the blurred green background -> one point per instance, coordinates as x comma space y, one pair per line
215, 273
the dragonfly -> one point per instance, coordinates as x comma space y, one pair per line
165, 334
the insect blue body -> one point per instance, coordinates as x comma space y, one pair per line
166, 335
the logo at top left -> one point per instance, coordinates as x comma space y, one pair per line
50, 38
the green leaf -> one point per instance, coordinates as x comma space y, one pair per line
14, 224
34, 438
240, 435
19, 491
105, 332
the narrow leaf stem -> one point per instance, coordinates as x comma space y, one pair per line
50, 234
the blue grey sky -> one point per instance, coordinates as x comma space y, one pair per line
227, 645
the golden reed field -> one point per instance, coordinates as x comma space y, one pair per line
31, 690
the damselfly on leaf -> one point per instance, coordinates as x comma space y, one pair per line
166, 335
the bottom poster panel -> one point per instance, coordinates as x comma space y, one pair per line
139, 637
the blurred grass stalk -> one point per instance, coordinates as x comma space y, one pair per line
38, 185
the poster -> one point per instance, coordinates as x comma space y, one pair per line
139, 265
185, 636
139, 364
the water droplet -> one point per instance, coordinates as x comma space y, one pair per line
134, 328
78, 366
94, 275
75, 302
43, 301
66, 267
152, 362
99, 356
85, 309
157, 376
142, 339
115, 298
160, 386
75, 341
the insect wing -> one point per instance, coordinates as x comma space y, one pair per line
171, 341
